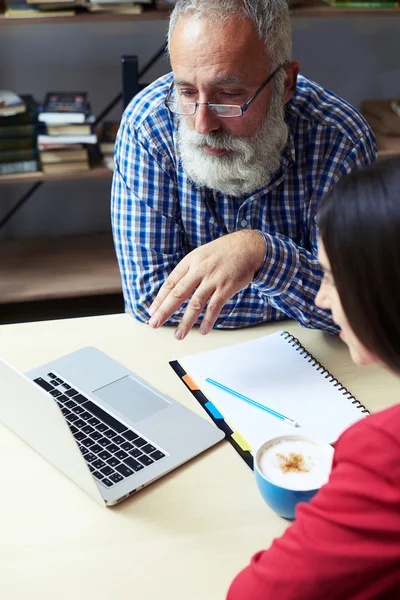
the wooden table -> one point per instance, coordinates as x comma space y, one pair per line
183, 537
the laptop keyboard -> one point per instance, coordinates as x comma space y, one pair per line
111, 450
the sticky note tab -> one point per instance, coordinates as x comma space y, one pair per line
240, 440
213, 410
190, 383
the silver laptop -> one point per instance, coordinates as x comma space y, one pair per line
100, 424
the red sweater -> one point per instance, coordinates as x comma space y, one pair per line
345, 543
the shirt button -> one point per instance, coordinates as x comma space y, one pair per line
243, 223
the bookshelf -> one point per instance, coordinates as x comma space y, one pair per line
55, 268
310, 9
73, 266
317, 8
87, 17
387, 147
98, 172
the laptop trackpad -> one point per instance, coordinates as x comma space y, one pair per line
131, 398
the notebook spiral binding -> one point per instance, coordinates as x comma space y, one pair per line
295, 343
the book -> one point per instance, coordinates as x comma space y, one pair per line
362, 4
18, 131
388, 145
20, 10
125, 9
381, 117
53, 146
108, 135
58, 156
17, 155
66, 167
76, 129
119, 2
67, 139
278, 372
64, 107
27, 117
50, 4
17, 143
11, 103
24, 166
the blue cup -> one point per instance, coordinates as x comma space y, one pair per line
284, 500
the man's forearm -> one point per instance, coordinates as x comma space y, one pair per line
290, 278
248, 307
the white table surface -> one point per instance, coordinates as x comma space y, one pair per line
183, 537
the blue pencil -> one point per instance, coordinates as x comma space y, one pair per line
253, 402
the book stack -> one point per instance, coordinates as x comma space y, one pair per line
362, 3
18, 133
108, 134
24, 9
17, 9
67, 133
384, 119
124, 7
52, 7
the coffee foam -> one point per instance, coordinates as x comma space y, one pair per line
296, 464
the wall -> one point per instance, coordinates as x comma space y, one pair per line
354, 57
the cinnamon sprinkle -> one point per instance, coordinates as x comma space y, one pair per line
294, 463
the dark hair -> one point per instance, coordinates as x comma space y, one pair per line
359, 224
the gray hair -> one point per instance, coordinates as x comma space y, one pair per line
270, 17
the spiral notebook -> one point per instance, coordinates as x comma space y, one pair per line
277, 371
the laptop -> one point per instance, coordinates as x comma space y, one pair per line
99, 423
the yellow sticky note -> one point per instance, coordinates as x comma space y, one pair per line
240, 440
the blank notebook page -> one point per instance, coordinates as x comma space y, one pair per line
275, 371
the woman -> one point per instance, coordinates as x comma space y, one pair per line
346, 542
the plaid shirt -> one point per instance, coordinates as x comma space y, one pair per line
159, 215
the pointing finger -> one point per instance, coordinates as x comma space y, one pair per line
193, 311
176, 297
170, 283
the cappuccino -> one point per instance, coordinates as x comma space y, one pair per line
296, 463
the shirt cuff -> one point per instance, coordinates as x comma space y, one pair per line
278, 268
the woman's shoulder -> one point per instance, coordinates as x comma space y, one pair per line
374, 443
387, 420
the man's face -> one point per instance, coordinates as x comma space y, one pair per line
225, 64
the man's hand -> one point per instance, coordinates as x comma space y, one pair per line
213, 273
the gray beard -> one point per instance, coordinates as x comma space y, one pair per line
248, 167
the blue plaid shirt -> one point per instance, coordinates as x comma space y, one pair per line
159, 215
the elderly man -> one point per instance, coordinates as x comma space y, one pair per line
220, 166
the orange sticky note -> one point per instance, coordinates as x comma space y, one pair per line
190, 383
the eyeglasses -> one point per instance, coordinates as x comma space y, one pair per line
219, 110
